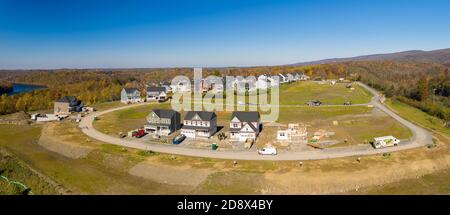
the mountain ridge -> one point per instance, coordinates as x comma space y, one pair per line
440, 56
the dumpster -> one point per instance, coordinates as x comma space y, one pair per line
214, 146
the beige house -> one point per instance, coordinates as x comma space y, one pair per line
68, 105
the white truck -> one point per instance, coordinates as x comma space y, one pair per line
386, 141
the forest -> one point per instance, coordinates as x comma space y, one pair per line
5, 88
422, 85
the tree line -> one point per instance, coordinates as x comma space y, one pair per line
425, 86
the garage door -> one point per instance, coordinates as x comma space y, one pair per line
188, 133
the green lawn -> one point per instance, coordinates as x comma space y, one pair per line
299, 93
418, 116
305, 114
302, 92
126, 120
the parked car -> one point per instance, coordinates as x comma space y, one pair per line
178, 139
122, 135
268, 151
314, 103
348, 103
140, 133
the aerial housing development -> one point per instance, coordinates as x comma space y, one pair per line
224, 97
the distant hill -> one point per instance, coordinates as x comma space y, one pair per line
441, 56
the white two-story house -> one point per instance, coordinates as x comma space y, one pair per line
130, 95
244, 125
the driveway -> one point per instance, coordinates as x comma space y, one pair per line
420, 138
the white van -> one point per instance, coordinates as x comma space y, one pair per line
268, 151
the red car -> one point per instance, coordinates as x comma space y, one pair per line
139, 134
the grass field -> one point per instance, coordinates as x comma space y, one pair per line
435, 183
299, 93
99, 173
432, 184
14, 171
419, 117
302, 92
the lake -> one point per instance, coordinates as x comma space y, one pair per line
23, 88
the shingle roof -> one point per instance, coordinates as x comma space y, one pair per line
72, 100
239, 129
130, 90
246, 116
204, 115
164, 113
156, 89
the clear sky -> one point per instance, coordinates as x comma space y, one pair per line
169, 33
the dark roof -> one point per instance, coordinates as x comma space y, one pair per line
156, 89
69, 99
239, 129
246, 116
164, 113
72, 100
204, 115
130, 90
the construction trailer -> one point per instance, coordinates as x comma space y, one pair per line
386, 141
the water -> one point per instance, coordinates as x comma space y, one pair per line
23, 88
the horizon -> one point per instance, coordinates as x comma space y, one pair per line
220, 34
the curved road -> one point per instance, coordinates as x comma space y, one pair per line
420, 137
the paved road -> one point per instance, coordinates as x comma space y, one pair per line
420, 137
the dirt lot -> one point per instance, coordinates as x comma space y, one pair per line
167, 174
57, 136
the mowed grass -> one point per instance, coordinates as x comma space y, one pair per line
299, 93
302, 92
419, 117
353, 131
308, 114
126, 120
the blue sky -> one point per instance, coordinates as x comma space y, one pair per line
119, 34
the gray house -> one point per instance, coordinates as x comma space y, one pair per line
199, 124
67, 105
162, 122
130, 95
290, 77
156, 94
244, 125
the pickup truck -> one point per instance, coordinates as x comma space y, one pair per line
139, 133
